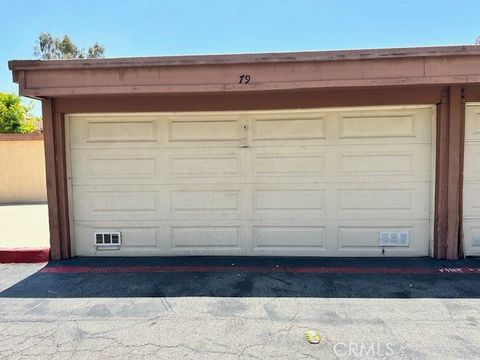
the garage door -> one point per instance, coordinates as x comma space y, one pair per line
471, 188
326, 182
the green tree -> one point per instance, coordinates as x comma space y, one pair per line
14, 116
50, 47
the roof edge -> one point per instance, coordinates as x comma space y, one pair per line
248, 58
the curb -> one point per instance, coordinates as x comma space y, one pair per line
24, 255
261, 269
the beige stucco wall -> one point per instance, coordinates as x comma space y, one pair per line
22, 169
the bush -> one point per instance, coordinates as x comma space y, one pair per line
14, 116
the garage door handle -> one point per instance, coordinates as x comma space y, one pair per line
244, 140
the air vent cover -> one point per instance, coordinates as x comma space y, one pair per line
476, 240
107, 240
394, 238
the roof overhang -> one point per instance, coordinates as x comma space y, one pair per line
267, 72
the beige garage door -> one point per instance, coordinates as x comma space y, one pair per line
471, 188
327, 182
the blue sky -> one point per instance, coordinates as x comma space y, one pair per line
169, 27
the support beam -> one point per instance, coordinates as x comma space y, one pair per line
62, 185
449, 174
441, 178
455, 173
55, 166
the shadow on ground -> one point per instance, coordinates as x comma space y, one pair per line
97, 277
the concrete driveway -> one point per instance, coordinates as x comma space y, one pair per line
210, 308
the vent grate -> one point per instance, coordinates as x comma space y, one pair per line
476, 240
394, 238
108, 239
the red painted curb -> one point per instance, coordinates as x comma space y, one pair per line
24, 255
259, 269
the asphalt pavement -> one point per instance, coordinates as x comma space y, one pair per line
240, 308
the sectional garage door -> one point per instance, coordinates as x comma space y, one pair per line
325, 182
471, 189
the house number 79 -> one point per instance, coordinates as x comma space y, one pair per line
244, 79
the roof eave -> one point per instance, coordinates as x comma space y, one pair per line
225, 59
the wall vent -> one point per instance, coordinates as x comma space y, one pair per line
394, 238
476, 240
107, 239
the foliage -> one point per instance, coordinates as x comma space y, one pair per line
50, 47
95, 51
29, 124
14, 116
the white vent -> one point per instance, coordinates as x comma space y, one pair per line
107, 240
394, 238
476, 240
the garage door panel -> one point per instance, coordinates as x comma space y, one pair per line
364, 163
289, 126
289, 200
471, 179
107, 201
367, 163
206, 203
471, 234
375, 199
134, 236
392, 161
289, 237
471, 202
204, 128
293, 164
120, 203
114, 166
113, 130
121, 130
163, 238
149, 166
160, 202
310, 251
400, 125
123, 167
204, 237
283, 237
198, 237
205, 165
472, 162
472, 123
157, 131
355, 237
253, 183
382, 201
338, 127
368, 126
270, 238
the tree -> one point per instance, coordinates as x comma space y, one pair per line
14, 116
477, 42
50, 47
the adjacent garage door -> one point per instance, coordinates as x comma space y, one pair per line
471, 189
327, 182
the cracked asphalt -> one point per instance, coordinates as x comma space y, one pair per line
236, 315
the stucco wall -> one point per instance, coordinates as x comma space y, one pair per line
22, 169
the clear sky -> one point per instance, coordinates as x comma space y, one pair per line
169, 27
